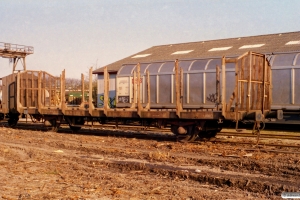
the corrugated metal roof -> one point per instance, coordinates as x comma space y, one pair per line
272, 43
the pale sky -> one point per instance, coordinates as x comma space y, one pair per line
77, 34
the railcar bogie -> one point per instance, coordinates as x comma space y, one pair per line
53, 122
13, 119
75, 122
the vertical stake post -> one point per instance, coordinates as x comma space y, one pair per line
218, 86
133, 90
106, 91
223, 73
139, 105
178, 85
63, 91
91, 105
82, 89
148, 90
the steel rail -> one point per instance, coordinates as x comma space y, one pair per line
167, 130
262, 145
262, 135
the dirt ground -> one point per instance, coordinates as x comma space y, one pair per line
47, 165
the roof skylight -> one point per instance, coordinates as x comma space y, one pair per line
251, 46
293, 42
141, 55
220, 48
182, 52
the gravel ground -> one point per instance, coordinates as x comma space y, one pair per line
48, 165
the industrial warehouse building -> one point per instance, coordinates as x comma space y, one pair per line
282, 49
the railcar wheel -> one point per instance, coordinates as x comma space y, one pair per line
75, 128
184, 138
12, 121
185, 134
194, 136
54, 125
210, 129
102, 121
54, 129
208, 134
174, 129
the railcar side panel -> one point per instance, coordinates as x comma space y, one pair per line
6, 82
199, 84
112, 90
286, 81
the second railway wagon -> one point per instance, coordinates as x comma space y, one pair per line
191, 95
199, 77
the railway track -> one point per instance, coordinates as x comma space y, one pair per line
132, 131
225, 132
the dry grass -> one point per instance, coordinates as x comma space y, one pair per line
157, 155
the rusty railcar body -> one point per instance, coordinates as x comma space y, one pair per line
36, 93
41, 96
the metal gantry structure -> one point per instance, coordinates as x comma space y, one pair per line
15, 52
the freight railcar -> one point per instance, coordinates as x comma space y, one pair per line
286, 84
190, 95
156, 94
199, 91
39, 95
36, 93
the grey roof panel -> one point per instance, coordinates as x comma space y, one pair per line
272, 43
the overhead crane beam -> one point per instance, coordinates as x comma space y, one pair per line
15, 52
